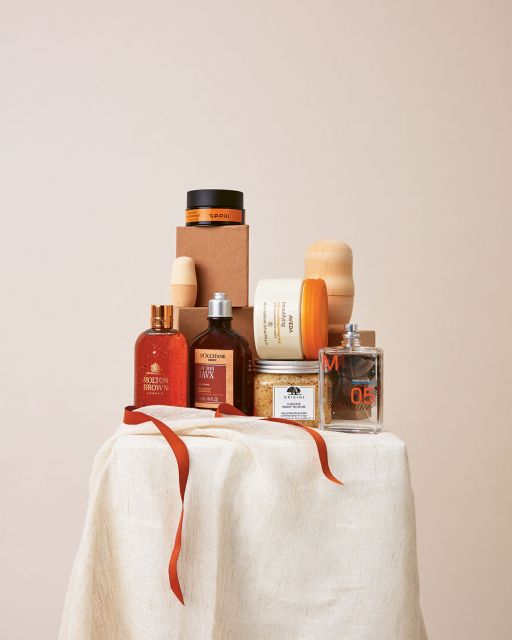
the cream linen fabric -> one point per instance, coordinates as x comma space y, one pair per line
271, 549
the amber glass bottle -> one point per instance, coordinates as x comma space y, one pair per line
220, 362
161, 362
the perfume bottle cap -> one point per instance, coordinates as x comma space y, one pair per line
161, 316
351, 328
219, 306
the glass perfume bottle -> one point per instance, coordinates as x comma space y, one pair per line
351, 385
220, 362
161, 362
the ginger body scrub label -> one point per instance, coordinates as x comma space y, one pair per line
294, 402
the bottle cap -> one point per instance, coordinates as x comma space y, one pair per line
161, 316
219, 306
215, 199
351, 328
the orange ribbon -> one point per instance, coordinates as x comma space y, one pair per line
179, 448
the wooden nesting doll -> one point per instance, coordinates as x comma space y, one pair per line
332, 261
183, 282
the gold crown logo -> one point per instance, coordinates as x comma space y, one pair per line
155, 368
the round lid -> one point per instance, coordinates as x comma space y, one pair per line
215, 199
286, 366
314, 315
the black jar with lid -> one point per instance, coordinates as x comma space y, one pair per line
214, 207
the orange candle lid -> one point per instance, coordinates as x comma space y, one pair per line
314, 317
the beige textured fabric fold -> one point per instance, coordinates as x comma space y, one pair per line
271, 549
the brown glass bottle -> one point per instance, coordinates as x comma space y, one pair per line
220, 362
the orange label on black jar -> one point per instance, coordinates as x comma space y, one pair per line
213, 215
213, 376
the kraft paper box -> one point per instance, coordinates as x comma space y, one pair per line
221, 255
367, 338
192, 321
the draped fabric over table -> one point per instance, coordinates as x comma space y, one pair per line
271, 549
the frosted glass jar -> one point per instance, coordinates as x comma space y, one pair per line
288, 389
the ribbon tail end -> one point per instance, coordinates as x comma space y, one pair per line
177, 592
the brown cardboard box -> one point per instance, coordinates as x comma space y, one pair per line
221, 255
192, 321
367, 338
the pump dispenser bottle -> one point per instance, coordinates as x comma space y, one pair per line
220, 362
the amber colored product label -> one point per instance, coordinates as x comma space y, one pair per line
213, 374
213, 215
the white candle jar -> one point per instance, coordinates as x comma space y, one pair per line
290, 318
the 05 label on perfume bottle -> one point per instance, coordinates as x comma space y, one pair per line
213, 376
293, 403
363, 392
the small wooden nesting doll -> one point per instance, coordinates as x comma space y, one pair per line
332, 261
183, 282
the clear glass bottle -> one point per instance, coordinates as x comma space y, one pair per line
220, 362
352, 376
161, 362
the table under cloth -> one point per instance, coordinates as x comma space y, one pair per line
272, 550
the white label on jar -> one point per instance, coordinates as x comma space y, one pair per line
277, 319
293, 402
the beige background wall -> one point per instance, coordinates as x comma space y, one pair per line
384, 124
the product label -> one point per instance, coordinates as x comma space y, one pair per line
278, 323
359, 393
280, 328
363, 393
155, 382
213, 373
213, 215
277, 319
294, 403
